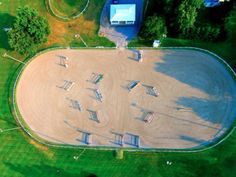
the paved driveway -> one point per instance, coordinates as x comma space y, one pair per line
120, 34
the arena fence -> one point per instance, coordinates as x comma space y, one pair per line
33, 135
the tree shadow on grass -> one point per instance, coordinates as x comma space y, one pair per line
6, 21
46, 170
6, 103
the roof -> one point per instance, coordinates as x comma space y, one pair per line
122, 12
211, 3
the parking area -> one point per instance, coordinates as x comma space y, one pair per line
120, 34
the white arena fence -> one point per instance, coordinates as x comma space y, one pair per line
21, 122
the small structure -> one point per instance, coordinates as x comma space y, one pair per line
98, 95
149, 117
87, 138
156, 43
63, 61
93, 115
6, 29
119, 139
67, 85
132, 85
134, 140
96, 78
213, 3
140, 56
150, 90
76, 105
122, 14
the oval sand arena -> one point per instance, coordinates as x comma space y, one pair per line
172, 99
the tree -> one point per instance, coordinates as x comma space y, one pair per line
230, 25
196, 3
153, 28
29, 31
205, 33
186, 16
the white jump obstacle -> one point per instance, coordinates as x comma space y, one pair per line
119, 139
68, 85
149, 117
79, 107
132, 85
93, 116
76, 105
64, 61
87, 138
151, 90
134, 140
140, 56
98, 95
96, 78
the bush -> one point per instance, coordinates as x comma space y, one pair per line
154, 28
205, 33
29, 31
186, 16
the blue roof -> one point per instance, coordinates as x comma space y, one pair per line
122, 12
211, 3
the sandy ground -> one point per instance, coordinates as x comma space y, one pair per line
196, 104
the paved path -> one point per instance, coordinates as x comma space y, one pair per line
120, 34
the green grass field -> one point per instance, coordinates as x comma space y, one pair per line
21, 156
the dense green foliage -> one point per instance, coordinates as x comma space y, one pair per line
186, 16
230, 25
216, 24
190, 19
29, 31
153, 28
195, 3
204, 33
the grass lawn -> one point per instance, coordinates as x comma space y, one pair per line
21, 156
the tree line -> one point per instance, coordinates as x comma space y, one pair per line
187, 19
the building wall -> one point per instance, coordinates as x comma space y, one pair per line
122, 22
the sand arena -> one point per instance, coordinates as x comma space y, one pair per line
195, 106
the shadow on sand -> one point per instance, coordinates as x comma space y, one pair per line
219, 107
208, 109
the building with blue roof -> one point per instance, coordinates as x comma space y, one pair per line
122, 14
